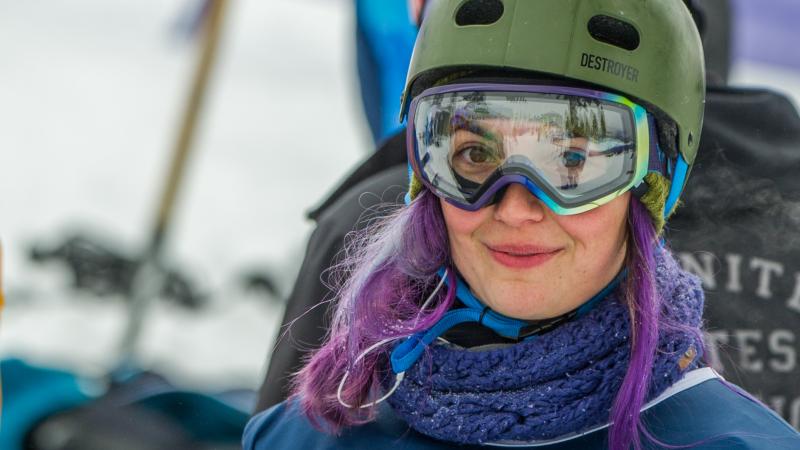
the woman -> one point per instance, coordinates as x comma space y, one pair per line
524, 296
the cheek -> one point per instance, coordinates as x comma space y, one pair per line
601, 231
461, 223
462, 227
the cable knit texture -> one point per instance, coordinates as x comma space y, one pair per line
561, 383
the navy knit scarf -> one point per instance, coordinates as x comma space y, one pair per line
561, 383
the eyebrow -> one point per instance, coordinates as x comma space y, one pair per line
474, 128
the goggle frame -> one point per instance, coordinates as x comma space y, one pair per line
645, 146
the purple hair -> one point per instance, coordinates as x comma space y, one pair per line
394, 267
644, 305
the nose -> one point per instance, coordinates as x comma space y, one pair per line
519, 206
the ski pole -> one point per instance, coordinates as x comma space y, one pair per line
149, 277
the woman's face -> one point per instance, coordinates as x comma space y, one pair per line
526, 262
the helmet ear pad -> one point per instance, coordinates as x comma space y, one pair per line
655, 199
415, 185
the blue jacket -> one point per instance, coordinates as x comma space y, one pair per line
701, 409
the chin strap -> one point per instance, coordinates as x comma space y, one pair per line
409, 351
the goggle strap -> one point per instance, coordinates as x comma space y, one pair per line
676, 187
409, 351
656, 161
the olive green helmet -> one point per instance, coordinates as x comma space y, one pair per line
647, 50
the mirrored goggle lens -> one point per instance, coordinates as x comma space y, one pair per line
575, 148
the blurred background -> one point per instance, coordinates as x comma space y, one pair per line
93, 96
91, 101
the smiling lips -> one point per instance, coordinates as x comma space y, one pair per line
521, 256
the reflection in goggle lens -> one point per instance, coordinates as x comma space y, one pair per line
574, 146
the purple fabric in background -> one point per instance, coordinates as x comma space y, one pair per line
767, 31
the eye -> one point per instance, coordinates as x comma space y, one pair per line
476, 154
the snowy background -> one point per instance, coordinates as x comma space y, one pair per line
91, 94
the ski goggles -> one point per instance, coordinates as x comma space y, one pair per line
573, 148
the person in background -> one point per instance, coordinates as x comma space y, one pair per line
385, 37
748, 149
501, 307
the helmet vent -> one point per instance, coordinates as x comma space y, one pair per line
613, 31
479, 12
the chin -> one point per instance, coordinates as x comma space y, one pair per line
520, 304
